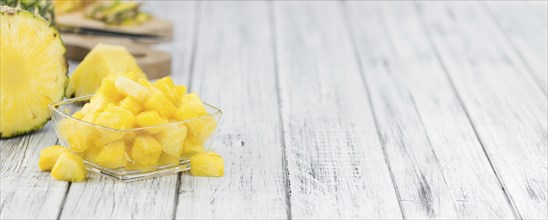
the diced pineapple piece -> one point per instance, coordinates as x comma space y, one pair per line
191, 107
159, 103
168, 88
116, 117
200, 129
146, 150
113, 155
49, 155
98, 103
181, 91
167, 159
190, 148
86, 109
149, 86
101, 62
91, 153
172, 139
78, 115
208, 164
131, 88
108, 89
69, 167
140, 167
131, 105
79, 135
150, 118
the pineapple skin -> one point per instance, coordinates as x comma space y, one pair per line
6, 9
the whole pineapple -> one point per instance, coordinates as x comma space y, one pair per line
42, 7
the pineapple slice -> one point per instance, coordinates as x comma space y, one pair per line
113, 155
33, 70
172, 139
191, 107
208, 164
146, 150
102, 61
69, 167
131, 105
190, 148
49, 155
169, 89
131, 88
160, 103
150, 118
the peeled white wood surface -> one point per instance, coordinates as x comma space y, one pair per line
438, 164
335, 161
234, 70
507, 108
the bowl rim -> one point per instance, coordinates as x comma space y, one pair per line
53, 107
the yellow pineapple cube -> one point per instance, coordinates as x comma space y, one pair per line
108, 89
98, 103
150, 118
78, 115
168, 88
168, 159
181, 91
69, 167
172, 139
200, 129
149, 86
191, 107
190, 148
140, 167
208, 164
160, 103
131, 88
116, 117
91, 153
79, 135
113, 155
131, 105
101, 62
49, 155
146, 150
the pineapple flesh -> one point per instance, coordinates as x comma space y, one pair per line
69, 167
49, 155
102, 61
209, 164
33, 71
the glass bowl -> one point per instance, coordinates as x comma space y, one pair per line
136, 153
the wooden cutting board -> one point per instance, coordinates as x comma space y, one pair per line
155, 63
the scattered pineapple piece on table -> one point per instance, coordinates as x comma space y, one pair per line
49, 155
209, 164
69, 167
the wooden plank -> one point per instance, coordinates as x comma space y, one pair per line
438, 164
506, 107
104, 198
336, 164
25, 191
525, 24
234, 70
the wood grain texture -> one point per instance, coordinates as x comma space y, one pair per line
525, 24
104, 198
234, 70
335, 160
438, 164
25, 191
507, 108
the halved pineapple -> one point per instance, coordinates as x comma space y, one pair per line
102, 61
33, 71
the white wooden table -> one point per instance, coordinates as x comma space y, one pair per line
338, 110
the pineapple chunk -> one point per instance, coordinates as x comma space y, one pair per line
208, 164
172, 139
191, 107
78, 115
190, 148
99, 103
69, 167
146, 150
181, 91
113, 155
109, 89
150, 118
130, 88
200, 129
167, 159
168, 88
131, 105
160, 103
116, 117
91, 153
79, 135
49, 155
102, 61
